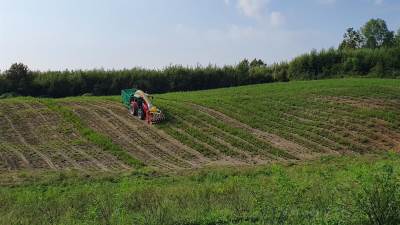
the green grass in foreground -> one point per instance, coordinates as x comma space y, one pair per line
347, 190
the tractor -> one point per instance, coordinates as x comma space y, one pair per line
139, 104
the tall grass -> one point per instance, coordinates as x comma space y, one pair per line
327, 191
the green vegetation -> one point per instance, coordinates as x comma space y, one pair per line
339, 115
248, 125
374, 51
347, 190
329, 149
374, 34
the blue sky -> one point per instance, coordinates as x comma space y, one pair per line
85, 34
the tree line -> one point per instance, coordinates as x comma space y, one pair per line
373, 50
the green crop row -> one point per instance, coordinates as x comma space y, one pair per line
236, 136
197, 132
100, 140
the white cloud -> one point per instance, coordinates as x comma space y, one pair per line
258, 9
378, 2
227, 2
277, 19
252, 8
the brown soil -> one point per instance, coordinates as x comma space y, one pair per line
143, 141
33, 137
273, 139
364, 102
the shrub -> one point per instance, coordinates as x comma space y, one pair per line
380, 200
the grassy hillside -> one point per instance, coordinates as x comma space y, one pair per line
245, 125
310, 118
316, 152
256, 124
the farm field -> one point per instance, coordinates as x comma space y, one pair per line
34, 137
304, 152
248, 125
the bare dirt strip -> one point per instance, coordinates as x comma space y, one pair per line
33, 137
241, 153
144, 142
379, 134
372, 103
275, 140
356, 134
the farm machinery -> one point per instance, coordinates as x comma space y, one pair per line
139, 104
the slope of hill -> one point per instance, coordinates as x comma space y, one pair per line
84, 160
245, 125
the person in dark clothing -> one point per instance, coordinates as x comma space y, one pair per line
140, 103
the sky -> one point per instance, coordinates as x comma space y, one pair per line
117, 34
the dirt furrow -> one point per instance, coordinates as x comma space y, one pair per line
209, 147
238, 154
221, 159
372, 103
343, 148
61, 158
315, 148
237, 143
259, 156
147, 143
378, 130
88, 161
334, 115
102, 125
21, 159
21, 138
352, 135
127, 139
274, 140
260, 152
8, 139
158, 136
151, 136
247, 158
5, 163
8, 160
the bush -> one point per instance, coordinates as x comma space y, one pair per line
19, 78
380, 200
4, 87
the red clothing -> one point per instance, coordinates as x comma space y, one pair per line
146, 111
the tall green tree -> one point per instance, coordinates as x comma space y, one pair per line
397, 38
377, 34
256, 62
352, 39
243, 71
19, 78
